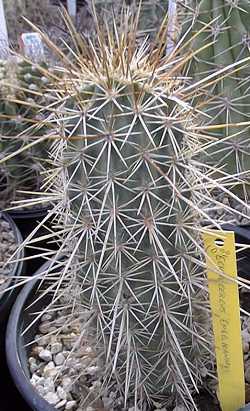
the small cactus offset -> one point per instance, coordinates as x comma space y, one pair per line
135, 195
227, 31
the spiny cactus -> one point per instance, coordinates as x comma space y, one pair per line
135, 193
22, 86
228, 31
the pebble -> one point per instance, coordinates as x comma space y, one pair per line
44, 341
70, 405
49, 385
59, 359
44, 328
34, 367
92, 370
56, 347
61, 393
51, 397
245, 335
45, 355
50, 370
46, 317
67, 383
60, 404
245, 346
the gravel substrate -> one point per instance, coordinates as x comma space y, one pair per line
66, 377
7, 247
65, 369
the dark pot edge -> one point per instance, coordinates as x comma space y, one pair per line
23, 214
20, 379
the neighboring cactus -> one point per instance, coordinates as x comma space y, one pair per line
228, 29
135, 194
22, 86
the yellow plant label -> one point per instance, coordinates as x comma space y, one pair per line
225, 307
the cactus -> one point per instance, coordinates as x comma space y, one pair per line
228, 30
135, 194
21, 95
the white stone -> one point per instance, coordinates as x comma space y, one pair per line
245, 336
44, 328
67, 383
32, 360
59, 359
44, 341
52, 398
92, 370
179, 408
36, 350
36, 380
33, 87
60, 404
49, 370
56, 347
49, 385
45, 355
41, 390
245, 347
72, 404
61, 393
33, 367
46, 317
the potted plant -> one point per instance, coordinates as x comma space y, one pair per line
135, 194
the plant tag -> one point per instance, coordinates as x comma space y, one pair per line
32, 46
225, 307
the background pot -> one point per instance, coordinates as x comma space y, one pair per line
16, 353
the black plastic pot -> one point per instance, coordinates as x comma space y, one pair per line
242, 236
241, 231
27, 221
17, 269
16, 353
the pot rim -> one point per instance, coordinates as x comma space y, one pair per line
13, 348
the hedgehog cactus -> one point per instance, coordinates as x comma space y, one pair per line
135, 193
227, 28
